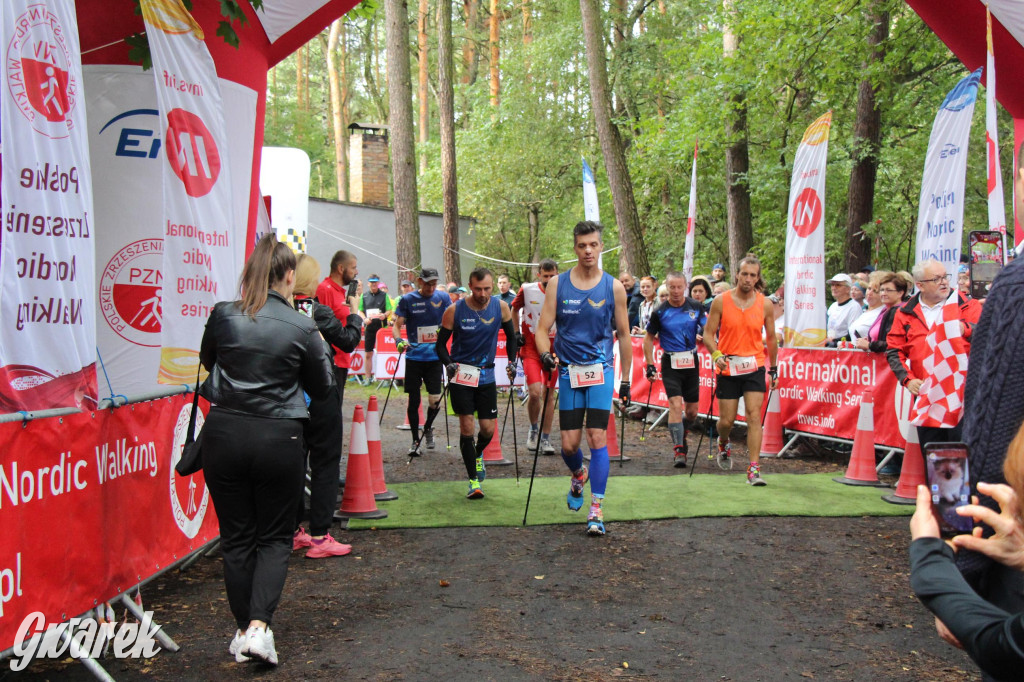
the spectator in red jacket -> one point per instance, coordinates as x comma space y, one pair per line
333, 293
908, 348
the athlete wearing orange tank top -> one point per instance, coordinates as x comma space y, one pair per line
734, 339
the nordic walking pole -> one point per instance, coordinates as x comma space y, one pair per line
536, 451
447, 431
622, 433
430, 422
391, 384
515, 440
707, 425
647, 409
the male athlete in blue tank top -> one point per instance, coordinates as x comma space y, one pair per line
421, 311
473, 325
585, 303
677, 323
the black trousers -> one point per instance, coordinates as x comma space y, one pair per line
254, 468
323, 436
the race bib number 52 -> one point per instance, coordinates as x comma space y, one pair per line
582, 376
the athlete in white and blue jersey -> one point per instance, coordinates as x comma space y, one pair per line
677, 323
473, 324
587, 304
421, 311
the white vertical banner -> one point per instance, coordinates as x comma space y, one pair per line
996, 207
805, 239
941, 211
691, 215
198, 217
591, 210
47, 261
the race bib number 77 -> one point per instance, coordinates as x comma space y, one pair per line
468, 375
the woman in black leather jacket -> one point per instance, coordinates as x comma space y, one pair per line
323, 431
261, 355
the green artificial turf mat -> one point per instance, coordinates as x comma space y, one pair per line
629, 498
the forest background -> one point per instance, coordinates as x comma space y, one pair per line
745, 77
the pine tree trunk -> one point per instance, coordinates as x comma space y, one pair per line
300, 80
345, 119
339, 132
634, 254
495, 32
527, 23
446, 117
422, 92
469, 55
403, 152
533, 218
867, 131
737, 161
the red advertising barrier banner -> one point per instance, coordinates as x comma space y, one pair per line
358, 359
386, 363
90, 505
819, 390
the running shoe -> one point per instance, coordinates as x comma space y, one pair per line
428, 435
546, 447
237, 647
481, 469
301, 539
754, 475
414, 451
259, 645
595, 520
326, 547
679, 459
531, 440
575, 497
724, 454
404, 427
475, 491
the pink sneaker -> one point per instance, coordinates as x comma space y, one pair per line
301, 539
327, 547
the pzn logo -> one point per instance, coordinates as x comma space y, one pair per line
138, 137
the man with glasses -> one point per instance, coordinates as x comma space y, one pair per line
907, 340
842, 312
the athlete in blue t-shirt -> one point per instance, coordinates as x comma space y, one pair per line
421, 312
677, 323
473, 325
585, 302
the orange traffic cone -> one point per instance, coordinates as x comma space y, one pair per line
772, 439
912, 473
405, 426
358, 502
493, 455
377, 484
861, 470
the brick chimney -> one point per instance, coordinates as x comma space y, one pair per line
368, 164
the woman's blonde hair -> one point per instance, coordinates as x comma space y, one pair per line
307, 275
1013, 466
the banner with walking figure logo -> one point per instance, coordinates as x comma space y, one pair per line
199, 266
47, 294
805, 239
941, 207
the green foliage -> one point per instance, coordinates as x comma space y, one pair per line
230, 9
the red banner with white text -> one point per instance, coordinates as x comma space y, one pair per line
820, 390
103, 485
386, 363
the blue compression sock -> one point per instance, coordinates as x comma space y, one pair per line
575, 460
598, 470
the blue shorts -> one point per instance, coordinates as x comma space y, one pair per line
593, 402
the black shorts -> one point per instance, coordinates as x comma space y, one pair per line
733, 388
482, 400
426, 372
372, 327
680, 382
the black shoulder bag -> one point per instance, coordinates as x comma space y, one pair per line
191, 452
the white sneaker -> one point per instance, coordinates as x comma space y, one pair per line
238, 647
531, 441
546, 447
261, 645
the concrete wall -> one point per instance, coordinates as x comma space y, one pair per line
369, 233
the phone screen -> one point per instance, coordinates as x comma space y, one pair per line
950, 485
986, 249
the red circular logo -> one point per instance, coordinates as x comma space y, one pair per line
192, 152
356, 363
391, 366
131, 292
806, 212
39, 75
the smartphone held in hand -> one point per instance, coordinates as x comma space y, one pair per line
949, 484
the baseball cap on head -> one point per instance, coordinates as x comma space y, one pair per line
841, 278
406, 283
429, 275
718, 266
373, 278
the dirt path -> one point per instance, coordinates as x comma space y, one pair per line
703, 599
